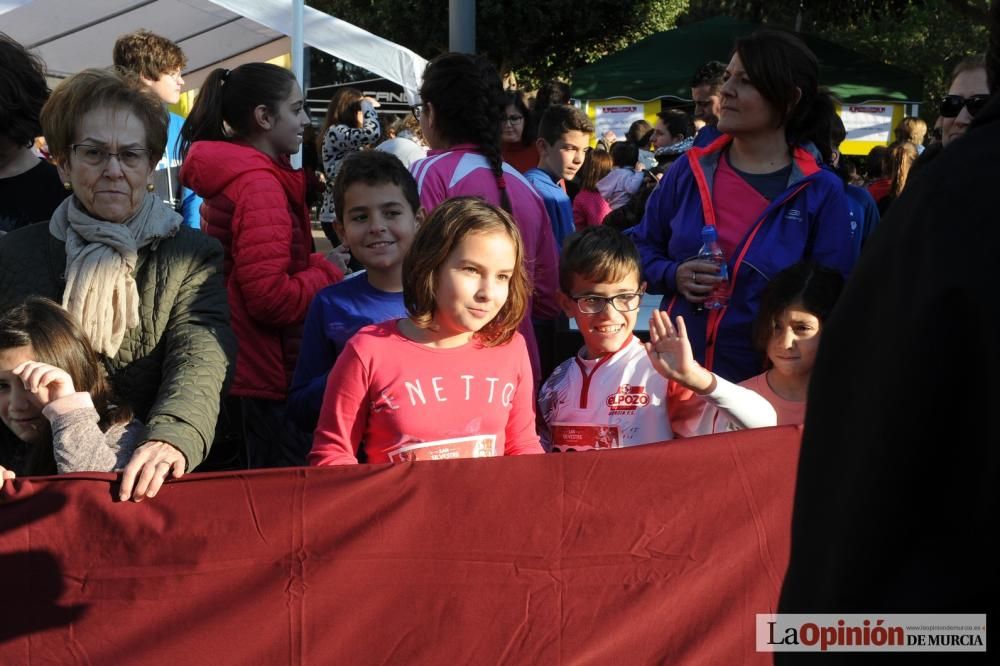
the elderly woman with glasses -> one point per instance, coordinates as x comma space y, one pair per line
147, 289
517, 133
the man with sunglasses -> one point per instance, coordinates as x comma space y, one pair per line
966, 96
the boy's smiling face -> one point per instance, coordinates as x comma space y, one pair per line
563, 158
608, 330
377, 225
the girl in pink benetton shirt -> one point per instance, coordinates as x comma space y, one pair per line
452, 380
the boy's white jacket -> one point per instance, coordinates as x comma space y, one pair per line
624, 401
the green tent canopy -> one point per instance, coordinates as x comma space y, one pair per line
662, 65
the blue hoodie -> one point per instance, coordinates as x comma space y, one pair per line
808, 221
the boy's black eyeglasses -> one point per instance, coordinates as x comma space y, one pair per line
951, 105
596, 304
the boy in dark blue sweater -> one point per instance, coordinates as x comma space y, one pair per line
378, 213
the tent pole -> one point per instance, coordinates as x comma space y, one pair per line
298, 55
462, 26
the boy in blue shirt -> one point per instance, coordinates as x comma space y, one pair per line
378, 213
563, 141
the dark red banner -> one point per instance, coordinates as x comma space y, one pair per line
654, 554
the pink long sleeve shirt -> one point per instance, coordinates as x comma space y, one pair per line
461, 171
589, 209
402, 400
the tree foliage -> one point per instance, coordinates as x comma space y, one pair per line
924, 36
532, 40
538, 39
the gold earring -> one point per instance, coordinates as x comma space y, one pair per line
68, 186
150, 187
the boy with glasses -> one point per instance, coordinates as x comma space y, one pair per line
609, 395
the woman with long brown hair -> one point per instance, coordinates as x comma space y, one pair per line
762, 188
589, 207
351, 123
901, 157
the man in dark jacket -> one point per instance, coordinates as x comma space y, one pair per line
895, 507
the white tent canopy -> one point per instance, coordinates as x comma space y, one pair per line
71, 36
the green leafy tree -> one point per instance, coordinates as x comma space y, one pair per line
924, 36
528, 40
533, 40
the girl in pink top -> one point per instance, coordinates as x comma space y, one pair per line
589, 207
462, 103
453, 379
787, 328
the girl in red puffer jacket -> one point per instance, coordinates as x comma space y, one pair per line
236, 143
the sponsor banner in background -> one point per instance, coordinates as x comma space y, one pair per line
808, 632
869, 122
617, 118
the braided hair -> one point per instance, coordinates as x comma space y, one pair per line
469, 102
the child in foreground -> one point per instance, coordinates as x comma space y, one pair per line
610, 394
787, 329
460, 113
55, 402
379, 216
453, 379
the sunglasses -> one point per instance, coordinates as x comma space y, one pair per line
951, 105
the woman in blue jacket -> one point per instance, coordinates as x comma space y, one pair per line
760, 185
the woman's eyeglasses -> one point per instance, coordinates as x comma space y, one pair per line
596, 304
129, 158
951, 105
511, 120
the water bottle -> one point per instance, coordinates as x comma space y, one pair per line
710, 251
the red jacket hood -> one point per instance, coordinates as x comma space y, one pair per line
210, 166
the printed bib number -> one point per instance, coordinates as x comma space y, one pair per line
568, 437
478, 446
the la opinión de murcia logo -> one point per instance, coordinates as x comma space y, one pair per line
861, 633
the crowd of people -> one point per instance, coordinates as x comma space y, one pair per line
159, 271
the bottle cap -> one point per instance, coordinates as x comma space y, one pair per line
708, 234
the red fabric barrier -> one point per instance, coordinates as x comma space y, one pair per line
654, 554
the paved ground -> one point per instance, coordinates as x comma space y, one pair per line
322, 243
